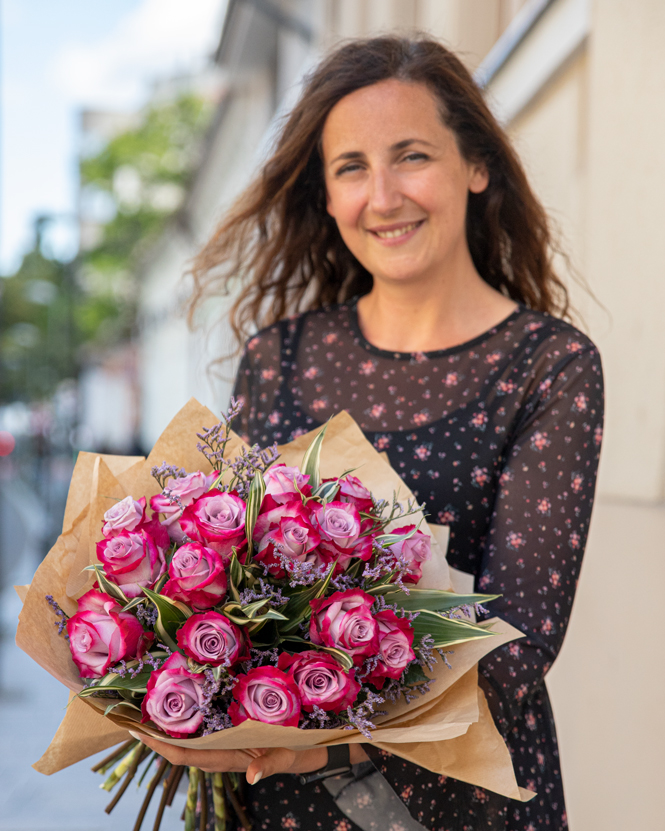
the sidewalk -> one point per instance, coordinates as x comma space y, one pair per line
31, 707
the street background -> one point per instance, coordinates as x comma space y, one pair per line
129, 128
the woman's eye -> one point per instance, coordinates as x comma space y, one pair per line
348, 168
415, 157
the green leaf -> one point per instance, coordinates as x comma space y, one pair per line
415, 675
445, 631
386, 540
257, 490
170, 617
106, 585
312, 459
236, 575
326, 491
133, 603
343, 657
298, 608
429, 599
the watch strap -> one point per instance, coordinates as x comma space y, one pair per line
339, 762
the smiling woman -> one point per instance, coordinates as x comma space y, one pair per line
395, 217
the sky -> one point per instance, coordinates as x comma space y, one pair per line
58, 56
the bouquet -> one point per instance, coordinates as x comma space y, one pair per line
257, 602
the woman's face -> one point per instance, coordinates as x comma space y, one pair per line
396, 182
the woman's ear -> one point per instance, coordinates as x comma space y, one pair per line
479, 177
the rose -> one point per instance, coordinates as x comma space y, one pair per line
178, 493
216, 519
292, 536
131, 560
265, 694
125, 515
101, 634
211, 638
175, 698
344, 621
196, 576
352, 490
340, 528
395, 652
283, 483
414, 551
321, 680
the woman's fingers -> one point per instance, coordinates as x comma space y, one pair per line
211, 761
274, 760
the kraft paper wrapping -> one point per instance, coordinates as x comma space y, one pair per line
449, 731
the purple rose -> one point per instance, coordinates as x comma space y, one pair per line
345, 621
217, 520
395, 647
352, 490
321, 680
293, 536
196, 577
340, 528
131, 560
414, 551
284, 483
125, 515
211, 638
266, 694
178, 493
101, 634
175, 698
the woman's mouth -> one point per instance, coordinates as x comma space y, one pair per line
396, 232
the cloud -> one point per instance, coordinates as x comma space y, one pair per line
158, 38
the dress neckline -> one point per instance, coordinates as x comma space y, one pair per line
437, 353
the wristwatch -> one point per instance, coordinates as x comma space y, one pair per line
339, 762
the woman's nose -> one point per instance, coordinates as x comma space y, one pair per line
384, 197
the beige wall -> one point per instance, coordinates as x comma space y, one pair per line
591, 141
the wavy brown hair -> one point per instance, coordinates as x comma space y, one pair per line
285, 249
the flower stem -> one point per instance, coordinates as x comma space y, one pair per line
190, 807
219, 802
161, 770
107, 761
122, 768
203, 821
140, 753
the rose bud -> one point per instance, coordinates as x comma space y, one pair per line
196, 577
321, 680
414, 551
395, 652
131, 560
217, 520
340, 527
125, 515
285, 483
178, 493
211, 638
352, 490
265, 694
294, 537
101, 634
175, 698
344, 621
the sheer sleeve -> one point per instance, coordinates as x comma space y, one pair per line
257, 385
539, 527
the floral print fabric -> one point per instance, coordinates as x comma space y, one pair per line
500, 438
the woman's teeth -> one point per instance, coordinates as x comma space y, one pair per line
399, 232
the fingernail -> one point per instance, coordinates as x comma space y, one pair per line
257, 777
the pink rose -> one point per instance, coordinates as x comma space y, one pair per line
197, 576
284, 483
395, 652
178, 493
293, 536
211, 638
352, 490
415, 550
321, 680
265, 694
131, 559
340, 528
216, 519
125, 515
101, 634
344, 621
175, 698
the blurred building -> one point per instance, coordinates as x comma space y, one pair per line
578, 85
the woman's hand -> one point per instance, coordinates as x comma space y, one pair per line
255, 763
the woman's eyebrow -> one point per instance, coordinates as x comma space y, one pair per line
400, 145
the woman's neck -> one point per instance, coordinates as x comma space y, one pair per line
401, 317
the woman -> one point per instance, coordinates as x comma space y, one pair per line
396, 213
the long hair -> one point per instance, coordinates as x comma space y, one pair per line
280, 243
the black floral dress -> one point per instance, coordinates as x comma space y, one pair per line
500, 438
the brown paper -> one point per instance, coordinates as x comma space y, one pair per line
424, 731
